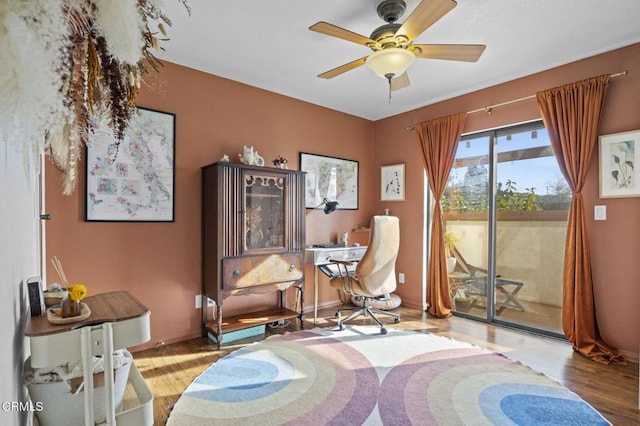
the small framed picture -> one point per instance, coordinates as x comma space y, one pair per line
619, 158
392, 182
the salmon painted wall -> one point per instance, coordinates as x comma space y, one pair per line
159, 263
614, 243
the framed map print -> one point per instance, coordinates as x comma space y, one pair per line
392, 183
132, 180
330, 178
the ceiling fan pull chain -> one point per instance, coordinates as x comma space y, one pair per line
389, 77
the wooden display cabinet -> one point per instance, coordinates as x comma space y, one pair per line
253, 241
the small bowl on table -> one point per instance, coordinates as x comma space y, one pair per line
54, 297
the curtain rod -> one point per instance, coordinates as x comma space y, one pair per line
488, 109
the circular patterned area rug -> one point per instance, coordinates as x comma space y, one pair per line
358, 376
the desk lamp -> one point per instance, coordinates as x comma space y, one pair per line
329, 206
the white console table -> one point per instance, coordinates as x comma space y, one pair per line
318, 256
117, 321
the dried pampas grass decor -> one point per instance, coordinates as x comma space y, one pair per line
66, 64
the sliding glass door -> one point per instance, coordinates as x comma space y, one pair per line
466, 210
506, 213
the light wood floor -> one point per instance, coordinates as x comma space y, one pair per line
612, 390
536, 315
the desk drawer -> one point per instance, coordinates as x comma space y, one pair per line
321, 257
253, 271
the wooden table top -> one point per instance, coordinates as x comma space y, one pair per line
105, 307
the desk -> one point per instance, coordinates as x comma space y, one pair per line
322, 256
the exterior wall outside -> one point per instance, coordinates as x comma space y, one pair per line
527, 252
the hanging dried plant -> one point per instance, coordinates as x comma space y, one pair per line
29, 82
64, 64
94, 74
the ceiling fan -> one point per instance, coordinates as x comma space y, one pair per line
392, 43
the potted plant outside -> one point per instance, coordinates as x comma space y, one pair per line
462, 303
450, 240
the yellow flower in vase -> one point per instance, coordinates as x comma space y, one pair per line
77, 292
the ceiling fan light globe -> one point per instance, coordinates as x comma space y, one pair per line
392, 60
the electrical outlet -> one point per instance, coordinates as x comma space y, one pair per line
210, 302
401, 277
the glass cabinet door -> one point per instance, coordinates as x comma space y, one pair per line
264, 223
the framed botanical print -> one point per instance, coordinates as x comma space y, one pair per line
619, 158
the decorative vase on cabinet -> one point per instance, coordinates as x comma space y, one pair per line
253, 241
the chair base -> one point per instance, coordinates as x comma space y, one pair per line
368, 311
387, 302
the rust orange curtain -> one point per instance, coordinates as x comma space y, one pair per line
571, 114
438, 140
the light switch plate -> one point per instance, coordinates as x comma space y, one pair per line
600, 212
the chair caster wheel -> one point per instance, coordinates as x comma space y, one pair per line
397, 321
383, 331
337, 315
341, 327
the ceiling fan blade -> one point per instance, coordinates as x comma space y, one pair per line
400, 82
343, 68
450, 52
427, 13
334, 31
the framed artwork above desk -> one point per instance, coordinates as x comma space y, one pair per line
330, 178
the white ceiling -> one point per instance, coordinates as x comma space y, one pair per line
267, 44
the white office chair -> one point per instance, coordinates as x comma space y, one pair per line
375, 274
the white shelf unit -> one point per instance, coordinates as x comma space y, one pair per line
119, 321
